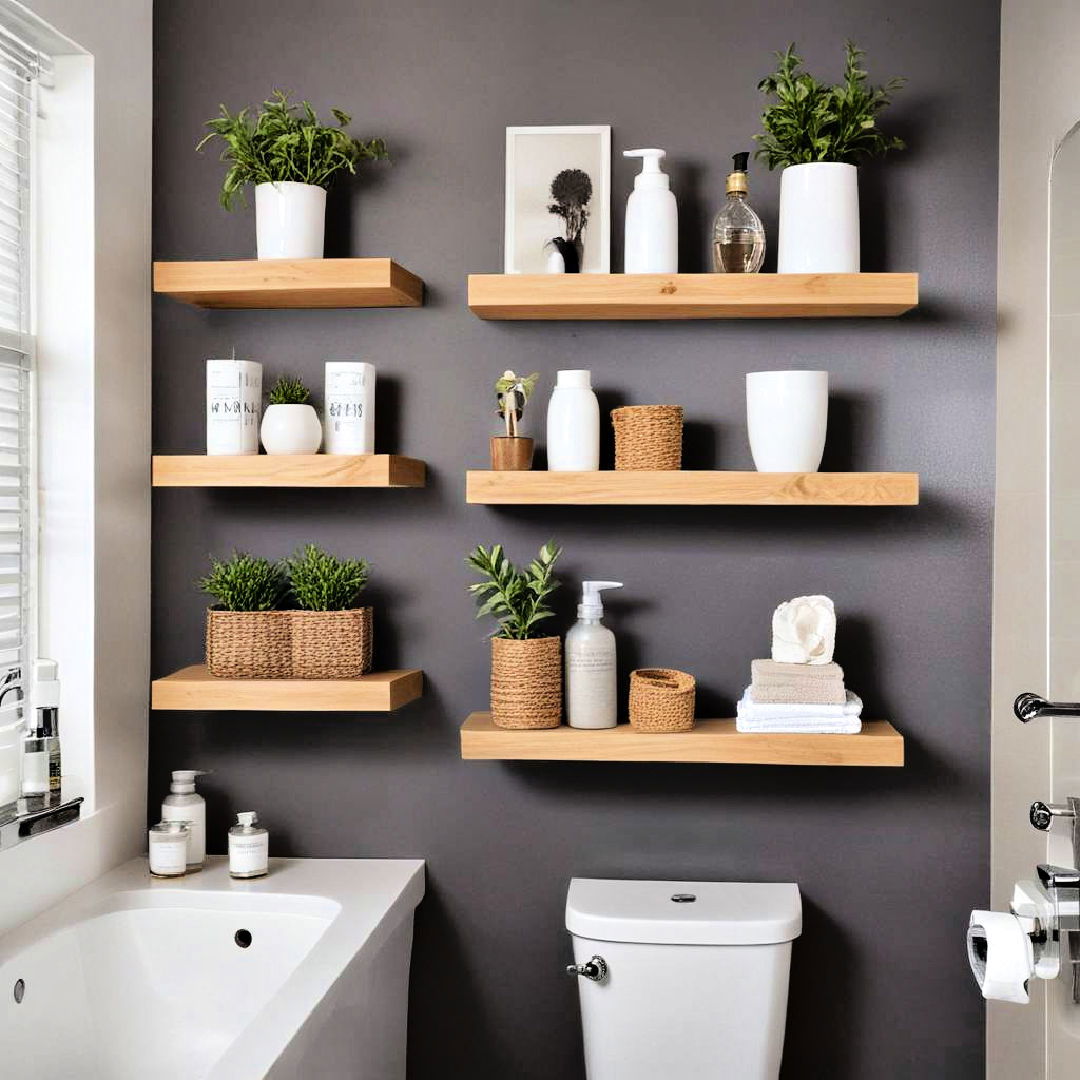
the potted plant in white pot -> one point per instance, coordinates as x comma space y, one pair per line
331, 634
292, 158
817, 134
289, 424
526, 667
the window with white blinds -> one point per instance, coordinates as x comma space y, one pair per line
20, 70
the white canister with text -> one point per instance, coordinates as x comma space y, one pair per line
349, 407
233, 406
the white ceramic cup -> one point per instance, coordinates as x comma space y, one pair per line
290, 220
787, 413
819, 219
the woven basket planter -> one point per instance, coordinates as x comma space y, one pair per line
331, 644
526, 682
648, 436
661, 700
248, 644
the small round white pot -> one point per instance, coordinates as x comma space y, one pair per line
291, 429
819, 219
290, 220
787, 413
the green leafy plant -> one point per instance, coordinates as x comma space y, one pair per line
323, 582
512, 393
289, 391
571, 191
285, 141
516, 599
812, 121
245, 583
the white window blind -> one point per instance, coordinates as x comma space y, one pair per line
21, 69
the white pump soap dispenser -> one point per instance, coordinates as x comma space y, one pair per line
590, 663
652, 219
183, 803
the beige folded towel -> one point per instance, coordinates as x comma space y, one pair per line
797, 684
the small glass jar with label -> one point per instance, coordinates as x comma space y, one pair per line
249, 847
169, 848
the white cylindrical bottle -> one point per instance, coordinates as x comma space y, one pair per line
349, 407
590, 663
184, 804
233, 406
651, 242
249, 847
573, 424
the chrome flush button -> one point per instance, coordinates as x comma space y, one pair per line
683, 898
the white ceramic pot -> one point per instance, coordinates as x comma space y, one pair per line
819, 219
291, 429
787, 413
290, 220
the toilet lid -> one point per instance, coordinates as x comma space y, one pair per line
684, 912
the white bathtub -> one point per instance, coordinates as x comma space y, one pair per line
137, 979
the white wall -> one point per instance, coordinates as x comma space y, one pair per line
95, 359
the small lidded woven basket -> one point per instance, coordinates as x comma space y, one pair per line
248, 644
331, 644
661, 699
648, 436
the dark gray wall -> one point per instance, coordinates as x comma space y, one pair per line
889, 861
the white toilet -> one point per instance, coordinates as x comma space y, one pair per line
684, 979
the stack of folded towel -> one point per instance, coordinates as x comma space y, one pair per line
803, 698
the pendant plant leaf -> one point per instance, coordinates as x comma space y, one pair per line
516, 599
812, 121
283, 141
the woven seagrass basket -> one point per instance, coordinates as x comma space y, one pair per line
248, 644
648, 436
331, 644
661, 699
526, 682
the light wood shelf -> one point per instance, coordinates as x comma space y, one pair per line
710, 742
290, 283
690, 488
690, 296
195, 689
287, 470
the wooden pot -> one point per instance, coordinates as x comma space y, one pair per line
511, 453
526, 682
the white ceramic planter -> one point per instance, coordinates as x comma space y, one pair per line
787, 413
290, 220
291, 429
819, 219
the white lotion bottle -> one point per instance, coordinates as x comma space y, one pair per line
590, 663
651, 242
573, 424
249, 847
183, 803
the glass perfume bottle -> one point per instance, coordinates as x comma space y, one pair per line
738, 235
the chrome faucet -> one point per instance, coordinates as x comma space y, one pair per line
35, 814
1033, 707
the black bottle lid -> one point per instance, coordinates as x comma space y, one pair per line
740, 161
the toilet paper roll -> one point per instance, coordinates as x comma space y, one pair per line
1000, 955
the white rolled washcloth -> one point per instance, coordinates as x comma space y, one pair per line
752, 717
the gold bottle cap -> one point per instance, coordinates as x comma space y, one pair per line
737, 182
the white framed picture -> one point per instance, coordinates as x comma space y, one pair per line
558, 200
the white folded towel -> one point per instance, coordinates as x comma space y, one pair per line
774, 718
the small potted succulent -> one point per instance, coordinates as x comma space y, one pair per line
571, 193
817, 133
247, 637
331, 635
512, 452
526, 668
292, 158
290, 425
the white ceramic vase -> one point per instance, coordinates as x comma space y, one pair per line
787, 415
291, 429
290, 220
819, 219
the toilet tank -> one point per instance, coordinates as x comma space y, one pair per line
697, 977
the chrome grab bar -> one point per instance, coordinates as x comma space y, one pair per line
1033, 707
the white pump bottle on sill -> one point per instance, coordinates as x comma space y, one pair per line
183, 803
651, 244
590, 663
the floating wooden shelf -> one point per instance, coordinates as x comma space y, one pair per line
690, 296
194, 689
287, 470
690, 488
290, 283
710, 742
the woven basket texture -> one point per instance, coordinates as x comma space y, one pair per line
248, 644
648, 437
331, 644
661, 699
526, 682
